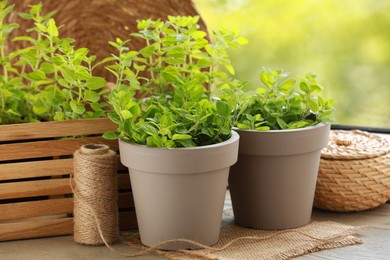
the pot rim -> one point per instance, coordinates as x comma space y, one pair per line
178, 160
283, 130
284, 142
232, 139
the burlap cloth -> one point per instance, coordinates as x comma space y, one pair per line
243, 243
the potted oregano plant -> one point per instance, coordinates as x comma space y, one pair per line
283, 125
175, 138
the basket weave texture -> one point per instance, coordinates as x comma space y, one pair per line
354, 173
93, 23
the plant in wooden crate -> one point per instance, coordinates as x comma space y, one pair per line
93, 28
282, 131
175, 138
48, 80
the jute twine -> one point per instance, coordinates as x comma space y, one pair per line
95, 195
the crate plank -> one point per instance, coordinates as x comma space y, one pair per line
23, 189
36, 228
42, 149
37, 188
29, 209
55, 129
53, 227
13, 171
38, 208
32, 169
125, 200
123, 181
127, 220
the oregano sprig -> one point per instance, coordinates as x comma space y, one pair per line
10, 84
163, 96
283, 102
50, 78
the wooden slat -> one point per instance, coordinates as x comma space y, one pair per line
53, 227
55, 167
50, 148
127, 220
36, 228
125, 200
55, 129
123, 181
29, 209
25, 189
13, 171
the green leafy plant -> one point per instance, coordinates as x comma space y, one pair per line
8, 95
279, 103
163, 95
49, 79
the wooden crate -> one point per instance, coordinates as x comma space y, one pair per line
35, 164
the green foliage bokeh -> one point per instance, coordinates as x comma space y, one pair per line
345, 42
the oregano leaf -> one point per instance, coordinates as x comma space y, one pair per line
95, 83
110, 135
77, 107
52, 29
91, 96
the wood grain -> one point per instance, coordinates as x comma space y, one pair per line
13, 171
127, 220
36, 188
123, 181
43, 149
36, 228
30, 209
43, 168
41, 130
38, 208
125, 200
46, 227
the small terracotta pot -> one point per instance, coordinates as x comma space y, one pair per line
179, 193
273, 183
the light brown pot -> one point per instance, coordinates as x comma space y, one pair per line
273, 183
179, 193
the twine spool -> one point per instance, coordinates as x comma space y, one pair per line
95, 195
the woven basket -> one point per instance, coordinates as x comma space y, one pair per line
94, 23
354, 172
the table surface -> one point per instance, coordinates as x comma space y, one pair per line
376, 236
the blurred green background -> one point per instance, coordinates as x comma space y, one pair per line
345, 42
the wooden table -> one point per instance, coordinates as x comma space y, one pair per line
376, 238
376, 234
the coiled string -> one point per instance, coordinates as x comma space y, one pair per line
95, 195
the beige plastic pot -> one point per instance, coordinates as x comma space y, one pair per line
179, 193
273, 183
